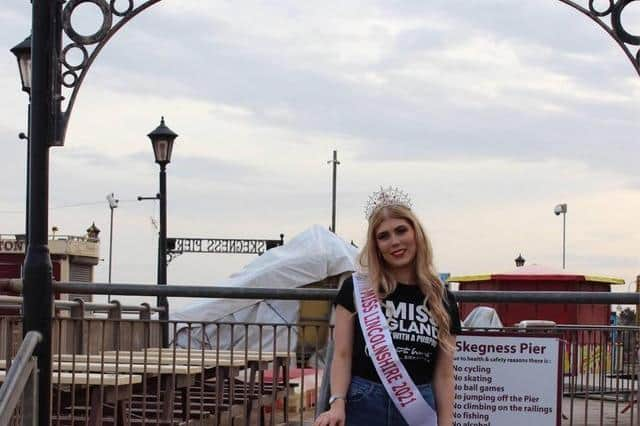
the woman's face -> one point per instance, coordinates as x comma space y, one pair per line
396, 242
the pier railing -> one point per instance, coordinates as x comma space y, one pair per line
20, 385
113, 370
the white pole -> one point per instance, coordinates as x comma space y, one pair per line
113, 203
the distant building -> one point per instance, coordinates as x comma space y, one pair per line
73, 257
535, 278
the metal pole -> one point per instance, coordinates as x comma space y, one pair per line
638, 304
333, 198
210, 292
111, 207
27, 139
162, 256
564, 234
38, 294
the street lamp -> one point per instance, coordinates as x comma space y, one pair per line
22, 52
162, 139
561, 209
113, 203
51, 73
519, 261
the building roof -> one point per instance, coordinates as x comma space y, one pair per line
537, 273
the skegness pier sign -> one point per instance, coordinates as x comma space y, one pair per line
220, 245
507, 379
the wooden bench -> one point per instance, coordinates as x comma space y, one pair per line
88, 379
153, 359
102, 389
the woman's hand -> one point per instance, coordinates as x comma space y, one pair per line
335, 416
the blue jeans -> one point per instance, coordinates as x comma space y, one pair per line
368, 404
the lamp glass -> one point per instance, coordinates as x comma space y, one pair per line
162, 139
24, 64
162, 150
22, 52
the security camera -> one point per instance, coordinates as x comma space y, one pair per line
113, 202
560, 208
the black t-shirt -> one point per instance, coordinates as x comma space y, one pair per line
413, 331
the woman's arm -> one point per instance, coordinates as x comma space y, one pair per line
340, 368
443, 385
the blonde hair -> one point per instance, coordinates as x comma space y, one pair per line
370, 259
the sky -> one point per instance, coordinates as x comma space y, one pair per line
487, 112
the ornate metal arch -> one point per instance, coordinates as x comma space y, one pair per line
71, 76
626, 40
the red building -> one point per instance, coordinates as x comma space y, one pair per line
73, 257
539, 278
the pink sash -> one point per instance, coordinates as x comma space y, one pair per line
399, 385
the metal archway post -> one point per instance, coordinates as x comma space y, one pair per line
51, 72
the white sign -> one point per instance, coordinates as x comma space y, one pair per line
507, 380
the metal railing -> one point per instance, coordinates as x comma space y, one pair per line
20, 383
199, 291
226, 371
239, 372
329, 294
70, 305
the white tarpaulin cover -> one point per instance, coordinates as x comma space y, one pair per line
483, 316
309, 257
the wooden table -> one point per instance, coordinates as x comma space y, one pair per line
255, 360
169, 378
172, 373
102, 388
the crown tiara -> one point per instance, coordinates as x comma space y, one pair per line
386, 197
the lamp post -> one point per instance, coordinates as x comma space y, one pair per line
561, 209
22, 52
51, 74
113, 204
162, 139
519, 261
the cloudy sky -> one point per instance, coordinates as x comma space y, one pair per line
488, 112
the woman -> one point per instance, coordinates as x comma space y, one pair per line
422, 317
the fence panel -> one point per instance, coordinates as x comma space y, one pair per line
111, 369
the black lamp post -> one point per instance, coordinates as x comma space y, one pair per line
162, 139
54, 85
22, 51
519, 261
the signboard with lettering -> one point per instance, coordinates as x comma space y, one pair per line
507, 379
12, 246
220, 245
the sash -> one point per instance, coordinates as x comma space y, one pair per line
397, 382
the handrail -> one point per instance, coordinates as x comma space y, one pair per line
329, 294
70, 304
11, 284
326, 294
23, 369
